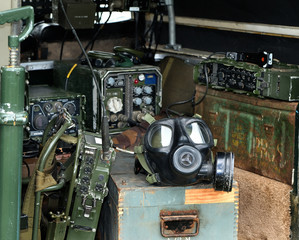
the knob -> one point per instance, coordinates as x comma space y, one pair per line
137, 90
137, 101
40, 122
147, 89
141, 77
114, 104
110, 81
147, 100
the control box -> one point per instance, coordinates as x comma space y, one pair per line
91, 187
129, 93
279, 82
46, 102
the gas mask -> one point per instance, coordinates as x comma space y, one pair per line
177, 151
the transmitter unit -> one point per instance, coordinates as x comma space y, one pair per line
279, 82
129, 93
46, 102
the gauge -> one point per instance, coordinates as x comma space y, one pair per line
141, 77
70, 107
48, 107
57, 107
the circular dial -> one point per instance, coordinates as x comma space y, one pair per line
48, 107
114, 104
58, 106
70, 107
40, 122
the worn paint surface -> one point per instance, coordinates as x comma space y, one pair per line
260, 132
134, 208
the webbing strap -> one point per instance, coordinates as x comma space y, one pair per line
151, 177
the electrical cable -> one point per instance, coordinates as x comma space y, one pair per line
62, 44
207, 79
95, 36
68, 76
104, 122
193, 96
28, 169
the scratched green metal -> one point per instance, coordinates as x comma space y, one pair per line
133, 208
282, 80
260, 132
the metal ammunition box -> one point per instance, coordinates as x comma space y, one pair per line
279, 82
136, 210
262, 133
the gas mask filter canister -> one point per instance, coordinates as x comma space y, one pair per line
177, 151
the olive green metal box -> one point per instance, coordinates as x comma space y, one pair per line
136, 210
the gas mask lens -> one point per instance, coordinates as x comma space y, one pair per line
161, 136
197, 133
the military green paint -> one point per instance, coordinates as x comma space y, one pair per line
261, 132
11, 145
282, 80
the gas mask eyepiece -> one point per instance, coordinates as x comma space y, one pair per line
178, 152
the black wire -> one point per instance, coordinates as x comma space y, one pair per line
95, 36
207, 79
62, 44
28, 169
104, 122
178, 103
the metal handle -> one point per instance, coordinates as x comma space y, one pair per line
17, 14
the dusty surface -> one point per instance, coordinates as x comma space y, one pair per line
264, 207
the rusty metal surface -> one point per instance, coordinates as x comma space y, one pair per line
261, 132
179, 223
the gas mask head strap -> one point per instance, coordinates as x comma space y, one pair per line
151, 177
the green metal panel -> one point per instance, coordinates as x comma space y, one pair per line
133, 208
260, 132
279, 82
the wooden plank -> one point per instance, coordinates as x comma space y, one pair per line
206, 196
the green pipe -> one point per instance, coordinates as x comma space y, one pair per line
12, 118
55, 187
41, 166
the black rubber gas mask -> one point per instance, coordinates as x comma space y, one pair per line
178, 152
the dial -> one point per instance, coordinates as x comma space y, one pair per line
137, 90
137, 101
48, 107
40, 122
147, 89
70, 107
58, 106
114, 104
110, 81
147, 100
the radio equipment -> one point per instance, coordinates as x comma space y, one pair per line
129, 93
279, 82
46, 102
